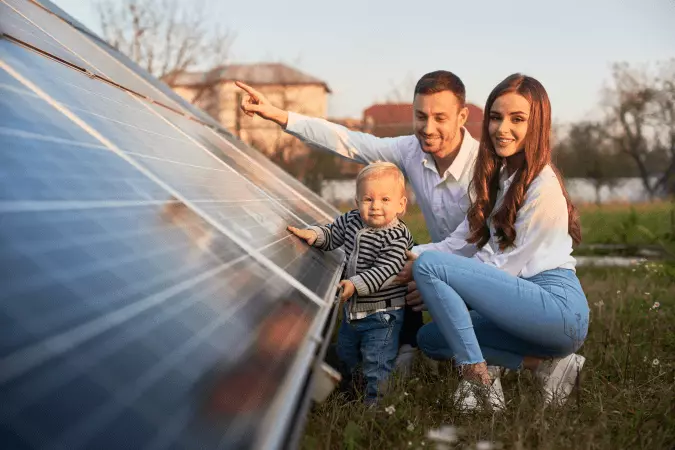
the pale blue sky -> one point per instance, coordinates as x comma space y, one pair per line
363, 49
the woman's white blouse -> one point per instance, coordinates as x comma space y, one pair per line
542, 238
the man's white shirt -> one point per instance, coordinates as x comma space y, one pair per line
442, 198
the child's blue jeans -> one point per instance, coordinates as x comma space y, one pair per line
372, 341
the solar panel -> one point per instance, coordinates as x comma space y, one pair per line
151, 296
85, 49
17, 26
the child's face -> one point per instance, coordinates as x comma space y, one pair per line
380, 199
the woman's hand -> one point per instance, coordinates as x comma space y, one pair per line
348, 290
414, 298
256, 103
308, 236
405, 275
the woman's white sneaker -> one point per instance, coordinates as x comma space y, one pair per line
471, 396
558, 377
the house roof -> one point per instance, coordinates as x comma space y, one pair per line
254, 74
389, 113
397, 117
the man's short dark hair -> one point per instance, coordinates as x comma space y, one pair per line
439, 81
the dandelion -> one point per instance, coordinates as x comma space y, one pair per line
655, 362
410, 426
656, 305
484, 445
446, 434
390, 409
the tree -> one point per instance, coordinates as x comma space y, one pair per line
587, 152
165, 38
641, 120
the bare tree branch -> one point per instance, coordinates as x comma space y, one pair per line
165, 37
641, 117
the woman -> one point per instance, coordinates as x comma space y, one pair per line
528, 309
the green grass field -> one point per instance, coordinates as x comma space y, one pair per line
626, 397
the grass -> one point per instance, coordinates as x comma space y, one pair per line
626, 398
640, 224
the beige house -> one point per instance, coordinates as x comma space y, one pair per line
286, 87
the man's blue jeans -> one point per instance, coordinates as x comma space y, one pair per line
542, 316
372, 341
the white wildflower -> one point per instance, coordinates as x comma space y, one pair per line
656, 305
647, 293
390, 409
410, 426
600, 304
618, 292
484, 445
655, 362
446, 434
406, 394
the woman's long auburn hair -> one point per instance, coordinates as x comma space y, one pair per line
485, 182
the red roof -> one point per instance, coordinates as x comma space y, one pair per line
400, 115
390, 113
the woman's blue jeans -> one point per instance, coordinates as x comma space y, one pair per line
542, 316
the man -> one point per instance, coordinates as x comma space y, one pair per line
437, 161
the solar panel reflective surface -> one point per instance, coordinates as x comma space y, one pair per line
73, 40
151, 296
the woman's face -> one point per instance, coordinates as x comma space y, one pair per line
508, 124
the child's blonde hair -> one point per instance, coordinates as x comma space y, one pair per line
380, 168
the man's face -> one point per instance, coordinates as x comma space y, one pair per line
437, 120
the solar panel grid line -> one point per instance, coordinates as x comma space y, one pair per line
216, 158
25, 359
82, 432
164, 159
289, 180
56, 320
198, 144
27, 8
304, 198
79, 67
51, 205
245, 245
78, 272
192, 112
42, 137
16, 27
87, 361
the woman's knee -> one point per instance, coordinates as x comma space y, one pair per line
427, 262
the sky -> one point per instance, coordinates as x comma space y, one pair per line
366, 50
